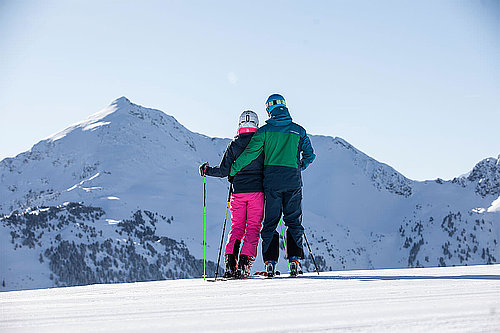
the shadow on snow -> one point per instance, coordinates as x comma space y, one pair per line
402, 277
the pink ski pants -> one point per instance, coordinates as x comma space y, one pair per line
247, 210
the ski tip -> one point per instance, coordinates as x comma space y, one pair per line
215, 280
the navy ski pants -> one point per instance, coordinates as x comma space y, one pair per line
288, 203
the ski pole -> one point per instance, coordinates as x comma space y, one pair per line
284, 242
314, 262
223, 231
204, 226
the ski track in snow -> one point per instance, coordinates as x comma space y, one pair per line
455, 299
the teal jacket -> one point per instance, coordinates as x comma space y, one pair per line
287, 151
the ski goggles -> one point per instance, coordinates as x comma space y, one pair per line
275, 102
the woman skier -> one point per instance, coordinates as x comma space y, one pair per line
247, 199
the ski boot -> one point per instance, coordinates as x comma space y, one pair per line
270, 268
244, 265
230, 272
295, 269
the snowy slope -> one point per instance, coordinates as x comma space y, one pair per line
447, 299
117, 198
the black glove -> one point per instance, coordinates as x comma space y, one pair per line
230, 178
203, 169
303, 165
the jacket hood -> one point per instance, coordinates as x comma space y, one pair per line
280, 117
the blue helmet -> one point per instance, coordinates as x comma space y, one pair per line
274, 101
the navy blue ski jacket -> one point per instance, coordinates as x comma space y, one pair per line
249, 179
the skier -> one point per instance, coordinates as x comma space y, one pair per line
247, 199
282, 142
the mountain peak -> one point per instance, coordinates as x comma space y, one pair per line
123, 98
121, 101
121, 104
487, 176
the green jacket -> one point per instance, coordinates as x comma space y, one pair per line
287, 151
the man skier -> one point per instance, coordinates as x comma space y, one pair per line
287, 151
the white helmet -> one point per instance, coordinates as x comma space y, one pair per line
248, 119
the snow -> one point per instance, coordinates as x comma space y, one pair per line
83, 182
456, 299
96, 125
93, 121
495, 206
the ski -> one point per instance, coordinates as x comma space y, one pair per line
264, 274
215, 280
235, 278
293, 274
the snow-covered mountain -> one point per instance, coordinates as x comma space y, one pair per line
118, 198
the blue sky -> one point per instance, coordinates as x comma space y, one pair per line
414, 84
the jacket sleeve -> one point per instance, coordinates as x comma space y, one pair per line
308, 155
251, 152
225, 165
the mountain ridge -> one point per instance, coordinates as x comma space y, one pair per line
123, 104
